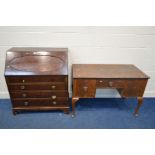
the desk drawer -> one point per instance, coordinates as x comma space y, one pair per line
54, 86
110, 83
135, 88
31, 79
40, 102
38, 94
84, 88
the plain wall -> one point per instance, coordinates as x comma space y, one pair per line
114, 45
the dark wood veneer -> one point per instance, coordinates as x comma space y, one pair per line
127, 79
37, 78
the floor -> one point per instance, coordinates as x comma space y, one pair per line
98, 113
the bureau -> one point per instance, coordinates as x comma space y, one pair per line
37, 78
127, 79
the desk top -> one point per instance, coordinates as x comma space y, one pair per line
36, 61
107, 71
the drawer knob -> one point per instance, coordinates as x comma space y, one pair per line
24, 95
22, 87
85, 88
53, 87
54, 102
110, 84
23, 81
100, 81
26, 103
54, 97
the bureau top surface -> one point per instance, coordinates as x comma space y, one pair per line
107, 71
36, 61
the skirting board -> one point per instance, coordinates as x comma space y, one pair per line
107, 93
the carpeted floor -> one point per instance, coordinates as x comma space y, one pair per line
112, 113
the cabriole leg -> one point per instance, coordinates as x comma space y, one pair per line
140, 101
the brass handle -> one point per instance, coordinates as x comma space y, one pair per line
23, 81
110, 84
85, 88
54, 102
53, 97
24, 95
100, 81
26, 103
53, 87
22, 87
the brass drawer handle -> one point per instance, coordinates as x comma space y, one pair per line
54, 102
110, 84
22, 87
23, 81
53, 87
85, 88
53, 97
101, 81
24, 95
26, 103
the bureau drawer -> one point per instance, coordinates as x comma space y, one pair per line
32, 79
40, 102
39, 94
110, 83
40, 86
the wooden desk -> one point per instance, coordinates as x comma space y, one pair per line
127, 79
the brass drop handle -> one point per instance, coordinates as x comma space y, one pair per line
22, 87
23, 81
24, 95
53, 97
85, 88
53, 87
110, 84
26, 103
54, 102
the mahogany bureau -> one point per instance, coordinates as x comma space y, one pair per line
37, 78
127, 79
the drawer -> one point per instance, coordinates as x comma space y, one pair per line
39, 94
84, 88
32, 79
40, 102
111, 83
135, 88
40, 86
